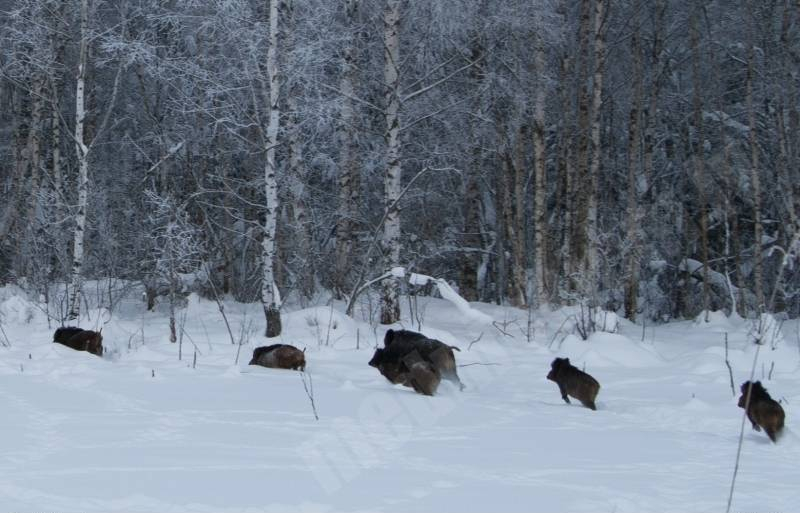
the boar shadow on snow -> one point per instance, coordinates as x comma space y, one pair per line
574, 382
762, 410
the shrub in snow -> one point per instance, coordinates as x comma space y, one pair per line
605, 321
589, 320
767, 331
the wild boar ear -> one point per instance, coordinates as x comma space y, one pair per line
566, 360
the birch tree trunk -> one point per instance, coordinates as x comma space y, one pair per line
540, 185
390, 303
82, 151
269, 290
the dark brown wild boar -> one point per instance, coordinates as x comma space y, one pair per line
573, 381
65, 333
404, 348
279, 356
762, 410
80, 340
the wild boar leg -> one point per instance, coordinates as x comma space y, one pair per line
563, 390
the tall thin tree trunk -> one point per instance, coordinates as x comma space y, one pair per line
755, 179
579, 241
472, 239
349, 164
35, 148
298, 174
390, 303
633, 210
697, 150
82, 151
540, 185
515, 226
565, 196
269, 290
592, 270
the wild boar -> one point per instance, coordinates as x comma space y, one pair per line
80, 340
573, 381
65, 333
403, 348
423, 378
762, 410
279, 356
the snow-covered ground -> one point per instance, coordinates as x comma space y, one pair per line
141, 430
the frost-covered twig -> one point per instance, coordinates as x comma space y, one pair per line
309, 388
764, 326
475, 341
730, 370
220, 306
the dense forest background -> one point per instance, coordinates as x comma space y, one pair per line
639, 155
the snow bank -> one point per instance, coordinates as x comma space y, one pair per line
451, 295
18, 310
607, 350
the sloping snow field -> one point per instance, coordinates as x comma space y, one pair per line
141, 430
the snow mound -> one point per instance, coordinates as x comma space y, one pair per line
718, 321
605, 321
18, 310
325, 324
608, 349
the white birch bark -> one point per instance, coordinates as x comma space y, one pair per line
82, 151
390, 304
269, 293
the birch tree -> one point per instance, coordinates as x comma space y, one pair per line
270, 298
390, 303
82, 152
